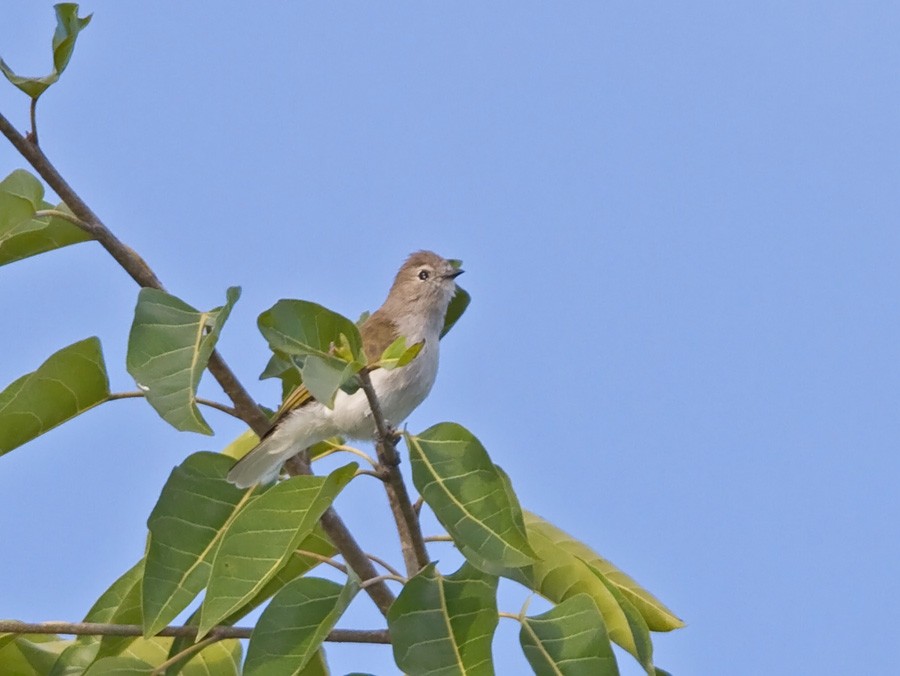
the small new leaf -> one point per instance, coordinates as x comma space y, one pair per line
458, 305
398, 354
68, 26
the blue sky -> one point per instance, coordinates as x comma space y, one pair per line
679, 226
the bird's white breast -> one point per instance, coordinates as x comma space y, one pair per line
399, 392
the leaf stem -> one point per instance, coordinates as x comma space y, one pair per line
382, 578
33, 115
324, 559
415, 556
384, 564
341, 448
438, 538
200, 400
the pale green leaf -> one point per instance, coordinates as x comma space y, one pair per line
457, 479
22, 234
77, 657
70, 382
120, 604
568, 640
443, 626
262, 538
168, 350
398, 354
68, 25
222, 658
119, 666
195, 506
42, 654
291, 629
561, 571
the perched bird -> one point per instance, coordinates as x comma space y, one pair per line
415, 309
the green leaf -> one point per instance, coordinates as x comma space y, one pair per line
22, 234
120, 604
291, 629
569, 640
564, 569
195, 506
42, 654
168, 349
68, 25
262, 538
70, 382
398, 354
316, 542
324, 377
301, 328
76, 658
458, 305
119, 666
445, 625
222, 658
459, 482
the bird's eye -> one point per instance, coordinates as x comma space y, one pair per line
423, 275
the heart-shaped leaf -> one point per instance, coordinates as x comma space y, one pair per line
445, 624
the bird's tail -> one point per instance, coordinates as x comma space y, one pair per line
262, 464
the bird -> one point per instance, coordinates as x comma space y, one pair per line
415, 308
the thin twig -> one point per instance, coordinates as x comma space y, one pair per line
372, 473
415, 556
186, 631
65, 215
384, 564
340, 448
510, 616
382, 578
321, 557
438, 538
417, 505
244, 404
200, 400
187, 652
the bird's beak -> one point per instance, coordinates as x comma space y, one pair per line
454, 274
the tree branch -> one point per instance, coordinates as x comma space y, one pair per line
415, 556
244, 405
187, 631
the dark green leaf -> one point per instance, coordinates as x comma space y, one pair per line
70, 382
569, 640
222, 658
445, 625
292, 627
458, 305
68, 25
22, 234
168, 349
301, 328
263, 537
284, 368
459, 482
77, 657
192, 512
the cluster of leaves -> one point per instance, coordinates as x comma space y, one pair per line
247, 547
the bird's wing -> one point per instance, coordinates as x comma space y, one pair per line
298, 398
377, 333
